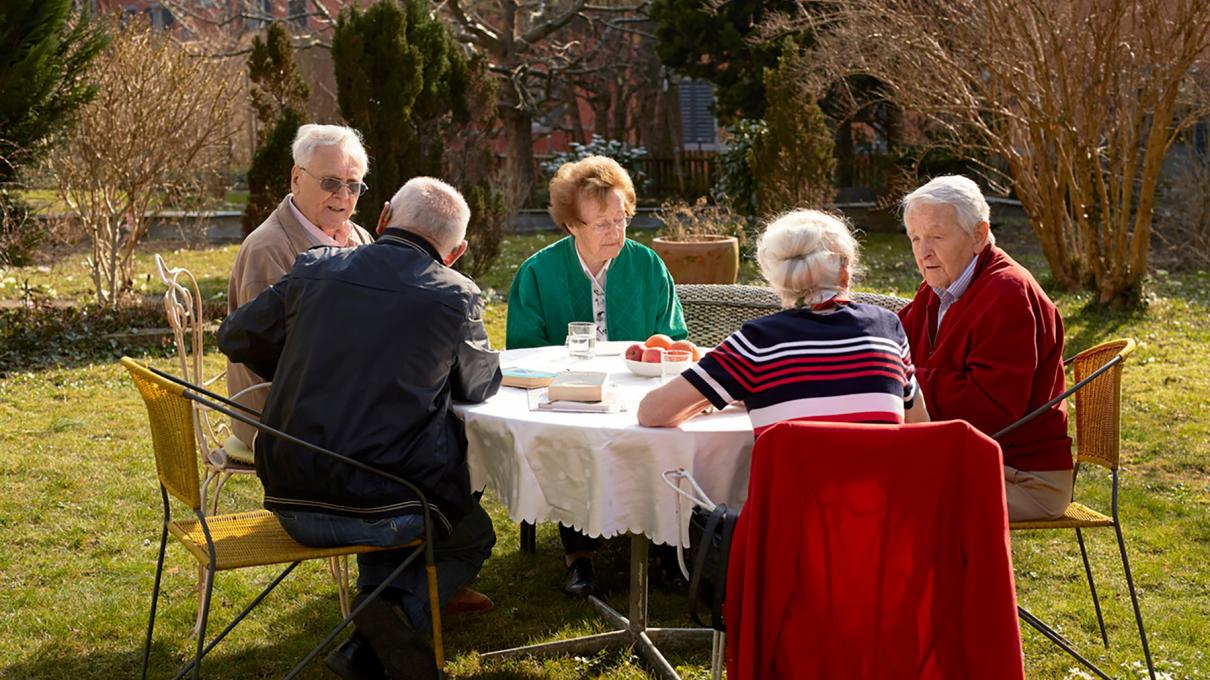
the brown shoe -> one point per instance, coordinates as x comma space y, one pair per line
468, 601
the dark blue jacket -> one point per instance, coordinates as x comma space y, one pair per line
366, 346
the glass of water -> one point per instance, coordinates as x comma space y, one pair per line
581, 340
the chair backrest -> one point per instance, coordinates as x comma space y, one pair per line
1098, 404
171, 417
714, 311
184, 311
871, 549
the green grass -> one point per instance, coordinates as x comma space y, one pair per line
79, 509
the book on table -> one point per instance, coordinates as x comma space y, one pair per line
582, 386
527, 378
612, 402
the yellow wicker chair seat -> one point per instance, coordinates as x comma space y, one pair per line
249, 539
1076, 516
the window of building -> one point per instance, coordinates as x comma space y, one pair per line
296, 13
699, 127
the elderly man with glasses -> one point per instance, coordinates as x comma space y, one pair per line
594, 275
325, 183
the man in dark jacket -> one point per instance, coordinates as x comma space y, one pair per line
366, 347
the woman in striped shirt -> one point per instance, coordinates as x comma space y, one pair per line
821, 358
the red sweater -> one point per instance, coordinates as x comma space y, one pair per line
888, 562
997, 356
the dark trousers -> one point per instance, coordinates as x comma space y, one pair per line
575, 541
459, 556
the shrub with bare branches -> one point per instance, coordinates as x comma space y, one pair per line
1081, 100
1182, 221
158, 131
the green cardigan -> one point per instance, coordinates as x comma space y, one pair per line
550, 290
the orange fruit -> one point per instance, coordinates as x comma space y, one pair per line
659, 340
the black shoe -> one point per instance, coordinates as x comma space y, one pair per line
580, 579
355, 660
403, 653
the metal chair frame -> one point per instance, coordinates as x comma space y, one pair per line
220, 404
1114, 520
183, 309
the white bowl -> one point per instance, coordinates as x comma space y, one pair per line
652, 370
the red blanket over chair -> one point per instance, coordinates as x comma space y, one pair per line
873, 551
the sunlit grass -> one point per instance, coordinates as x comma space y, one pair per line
79, 509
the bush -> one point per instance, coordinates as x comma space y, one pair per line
270, 164
685, 222
736, 184
489, 219
792, 158
1182, 225
20, 233
627, 156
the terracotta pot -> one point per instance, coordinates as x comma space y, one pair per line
705, 259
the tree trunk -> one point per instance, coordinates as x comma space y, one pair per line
520, 162
845, 171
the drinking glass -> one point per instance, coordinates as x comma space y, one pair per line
581, 340
675, 361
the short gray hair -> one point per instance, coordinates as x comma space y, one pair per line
803, 255
960, 192
432, 209
311, 136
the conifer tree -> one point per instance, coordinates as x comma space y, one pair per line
279, 95
713, 41
45, 50
401, 80
792, 158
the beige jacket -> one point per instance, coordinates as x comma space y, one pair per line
265, 256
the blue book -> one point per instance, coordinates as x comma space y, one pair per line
527, 378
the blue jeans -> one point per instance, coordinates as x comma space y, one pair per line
459, 557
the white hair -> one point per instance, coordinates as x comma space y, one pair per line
311, 136
805, 254
432, 209
960, 192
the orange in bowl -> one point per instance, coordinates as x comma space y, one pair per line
659, 340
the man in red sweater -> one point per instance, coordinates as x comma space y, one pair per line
987, 342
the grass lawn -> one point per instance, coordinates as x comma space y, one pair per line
79, 505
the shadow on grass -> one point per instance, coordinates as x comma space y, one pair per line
1093, 323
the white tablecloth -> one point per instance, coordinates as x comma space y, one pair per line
600, 472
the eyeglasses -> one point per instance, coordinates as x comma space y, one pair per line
604, 227
333, 185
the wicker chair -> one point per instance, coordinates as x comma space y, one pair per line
235, 541
714, 311
1097, 374
223, 454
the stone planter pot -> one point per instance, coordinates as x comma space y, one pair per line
705, 259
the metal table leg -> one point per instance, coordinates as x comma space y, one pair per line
632, 631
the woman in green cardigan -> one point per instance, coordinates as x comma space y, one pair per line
594, 274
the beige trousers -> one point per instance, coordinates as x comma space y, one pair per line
1036, 494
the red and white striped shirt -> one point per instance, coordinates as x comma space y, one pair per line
849, 364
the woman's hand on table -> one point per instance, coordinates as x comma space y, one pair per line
671, 404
